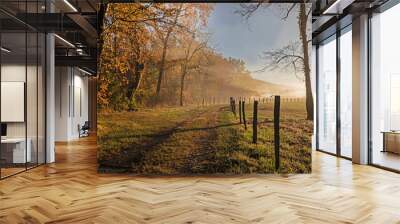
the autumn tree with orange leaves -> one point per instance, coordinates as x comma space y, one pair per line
136, 40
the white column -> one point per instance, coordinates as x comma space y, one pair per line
50, 100
360, 90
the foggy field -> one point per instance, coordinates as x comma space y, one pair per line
203, 140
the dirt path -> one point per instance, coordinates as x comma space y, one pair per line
203, 147
187, 147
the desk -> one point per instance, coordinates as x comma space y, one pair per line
14, 150
391, 141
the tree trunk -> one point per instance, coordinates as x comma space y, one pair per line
303, 19
134, 79
161, 66
138, 81
164, 53
182, 84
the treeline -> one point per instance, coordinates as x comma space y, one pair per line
157, 55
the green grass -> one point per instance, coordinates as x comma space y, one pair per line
203, 140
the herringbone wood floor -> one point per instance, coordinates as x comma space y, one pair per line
71, 191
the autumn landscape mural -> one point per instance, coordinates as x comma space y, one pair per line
192, 88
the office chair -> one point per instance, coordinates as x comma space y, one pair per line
84, 130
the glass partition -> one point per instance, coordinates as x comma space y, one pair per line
346, 92
327, 95
13, 104
385, 89
22, 91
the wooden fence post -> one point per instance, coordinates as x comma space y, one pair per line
244, 115
255, 113
231, 103
234, 106
240, 111
277, 106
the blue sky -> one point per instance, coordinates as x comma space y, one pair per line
233, 36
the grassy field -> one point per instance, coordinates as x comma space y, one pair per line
203, 140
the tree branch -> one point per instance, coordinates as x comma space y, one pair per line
288, 10
288, 56
247, 10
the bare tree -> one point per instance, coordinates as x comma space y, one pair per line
193, 48
290, 55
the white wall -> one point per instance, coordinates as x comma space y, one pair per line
10, 73
62, 82
16, 73
71, 102
80, 109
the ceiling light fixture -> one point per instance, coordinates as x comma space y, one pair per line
5, 50
65, 41
84, 71
337, 7
70, 5
334, 5
79, 51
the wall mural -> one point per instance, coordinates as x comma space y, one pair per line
192, 88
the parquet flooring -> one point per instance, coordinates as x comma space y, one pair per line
71, 191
